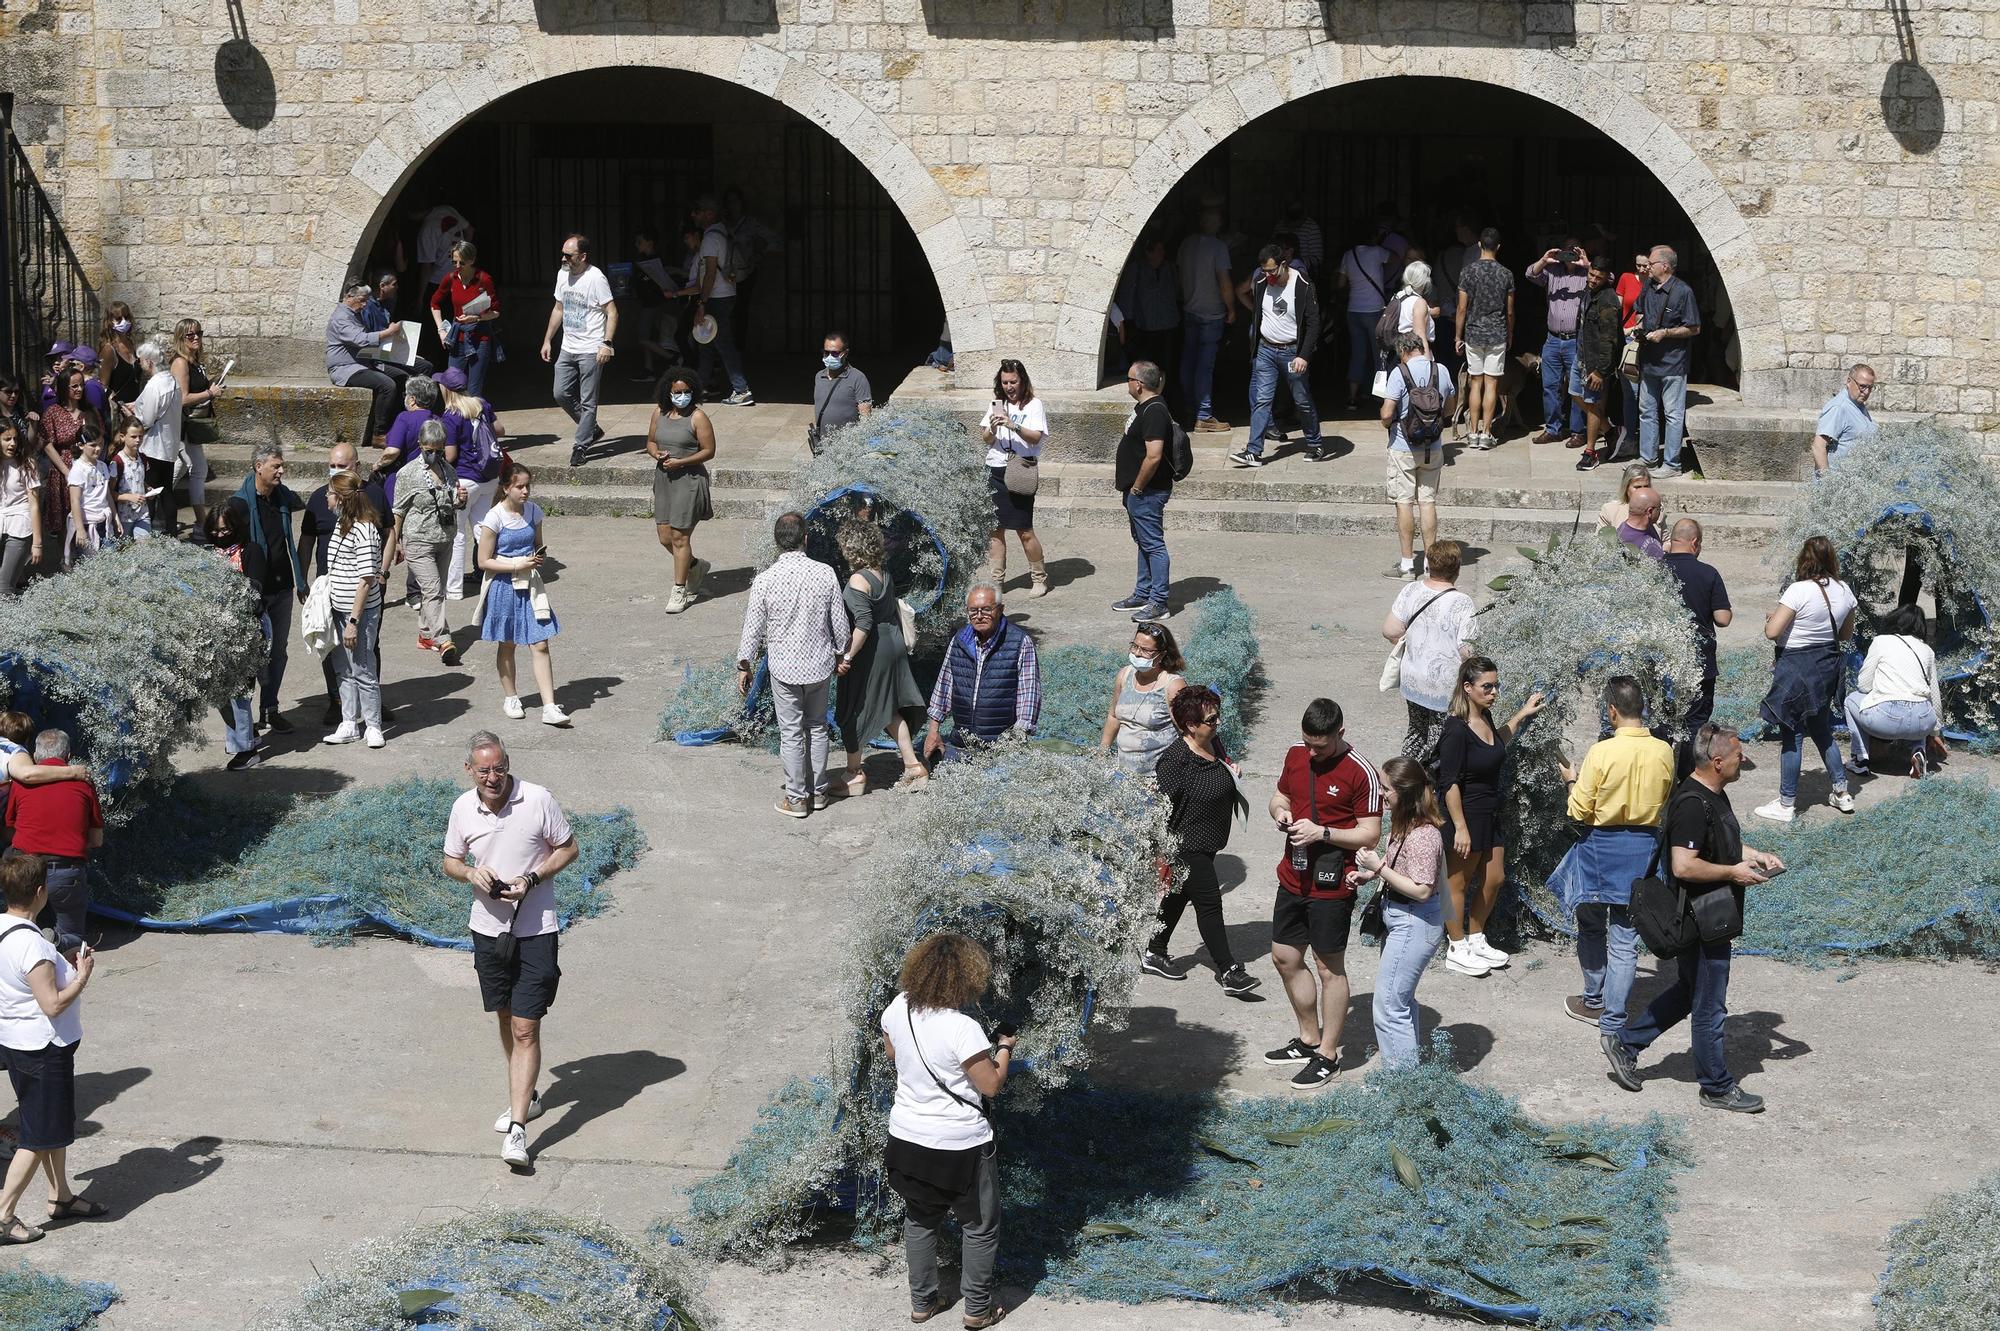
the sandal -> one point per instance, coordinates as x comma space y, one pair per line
913, 778
17, 1230
78, 1208
1918, 767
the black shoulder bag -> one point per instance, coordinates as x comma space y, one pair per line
1659, 908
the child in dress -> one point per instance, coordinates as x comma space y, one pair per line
516, 606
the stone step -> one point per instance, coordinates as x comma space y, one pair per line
1476, 523
1292, 481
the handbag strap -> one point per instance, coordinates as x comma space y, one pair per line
9, 933
1425, 606
1922, 669
1832, 624
918, 1045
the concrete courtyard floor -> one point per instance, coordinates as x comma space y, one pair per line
258, 1105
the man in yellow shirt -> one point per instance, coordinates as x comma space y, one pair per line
1617, 794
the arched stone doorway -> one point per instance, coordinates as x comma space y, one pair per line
361, 202
1543, 75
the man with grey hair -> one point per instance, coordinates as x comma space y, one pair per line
1844, 422
158, 411
797, 617
1706, 856
348, 341
991, 682
1668, 321
508, 839
1417, 400
62, 822
265, 505
1144, 475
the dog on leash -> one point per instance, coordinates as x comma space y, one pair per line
1523, 372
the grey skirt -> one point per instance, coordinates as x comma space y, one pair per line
680, 498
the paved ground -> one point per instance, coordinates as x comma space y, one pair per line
257, 1105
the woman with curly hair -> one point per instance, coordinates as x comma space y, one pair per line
877, 690
681, 442
941, 1155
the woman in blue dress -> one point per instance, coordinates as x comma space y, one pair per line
516, 608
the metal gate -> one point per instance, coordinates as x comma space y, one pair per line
850, 260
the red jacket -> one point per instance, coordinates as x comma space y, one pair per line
56, 819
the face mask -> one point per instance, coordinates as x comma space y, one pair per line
122, 326
1140, 662
682, 401
831, 361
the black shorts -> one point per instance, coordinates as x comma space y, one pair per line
1315, 922
45, 1084
525, 986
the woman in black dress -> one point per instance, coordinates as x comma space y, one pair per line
1471, 751
1199, 782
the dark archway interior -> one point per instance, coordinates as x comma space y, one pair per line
1430, 149
611, 152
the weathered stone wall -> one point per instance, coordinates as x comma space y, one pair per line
1027, 140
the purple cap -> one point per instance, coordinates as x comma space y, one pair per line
83, 356
60, 349
453, 378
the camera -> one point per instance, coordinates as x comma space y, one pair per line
1005, 1030
1572, 256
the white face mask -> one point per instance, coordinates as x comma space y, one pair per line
682, 401
122, 326
1140, 662
831, 361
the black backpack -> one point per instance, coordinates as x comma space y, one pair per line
1180, 453
1423, 409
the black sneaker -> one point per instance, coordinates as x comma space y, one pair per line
1129, 603
1298, 1051
1151, 613
1587, 462
1623, 1070
576, 456
331, 716
1318, 1071
448, 653
1738, 1101
1154, 964
277, 723
250, 758
1319, 455
1236, 981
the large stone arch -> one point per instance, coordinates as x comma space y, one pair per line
1543, 74
360, 200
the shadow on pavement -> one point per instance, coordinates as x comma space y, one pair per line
598, 1085
148, 1172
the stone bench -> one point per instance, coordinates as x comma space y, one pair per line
292, 413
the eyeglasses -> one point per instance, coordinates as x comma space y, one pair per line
981, 611
500, 770
1488, 686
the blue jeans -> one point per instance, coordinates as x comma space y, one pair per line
69, 897
1607, 947
1820, 728
275, 618
723, 311
1270, 362
474, 366
1902, 719
1700, 991
1661, 394
1361, 347
1412, 942
1628, 422
360, 686
239, 726
1146, 511
1199, 340
1558, 359
577, 378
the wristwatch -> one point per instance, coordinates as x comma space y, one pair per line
533, 878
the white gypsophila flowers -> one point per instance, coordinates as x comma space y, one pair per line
1579, 614
919, 463
136, 643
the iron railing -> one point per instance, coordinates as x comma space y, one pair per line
44, 292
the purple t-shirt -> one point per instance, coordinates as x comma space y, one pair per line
1641, 540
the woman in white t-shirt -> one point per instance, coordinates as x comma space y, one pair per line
1434, 622
1897, 695
1016, 425
941, 1154
41, 1025
1813, 617
20, 509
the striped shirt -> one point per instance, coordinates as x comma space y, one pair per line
354, 555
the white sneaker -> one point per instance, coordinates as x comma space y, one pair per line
1777, 811
1843, 801
515, 1149
1461, 958
553, 715
346, 733
1485, 951
677, 600
374, 738
506, 1118
512, 707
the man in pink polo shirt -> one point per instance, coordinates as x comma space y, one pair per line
517, 840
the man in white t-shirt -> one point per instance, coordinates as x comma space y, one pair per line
714, 292
509, 839
587, 317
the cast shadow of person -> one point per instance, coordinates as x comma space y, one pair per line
148, 1172
1750, 1040
588, 1088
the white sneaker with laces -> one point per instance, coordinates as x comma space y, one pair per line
506, 1119
1843, 801
346, 733
512, 708
515, 1149
553, 715
1777, 811
374, 737
1461, 958
1485, 951
677, 600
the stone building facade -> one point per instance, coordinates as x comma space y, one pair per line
1839, 158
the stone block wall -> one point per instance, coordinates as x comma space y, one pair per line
235, 169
